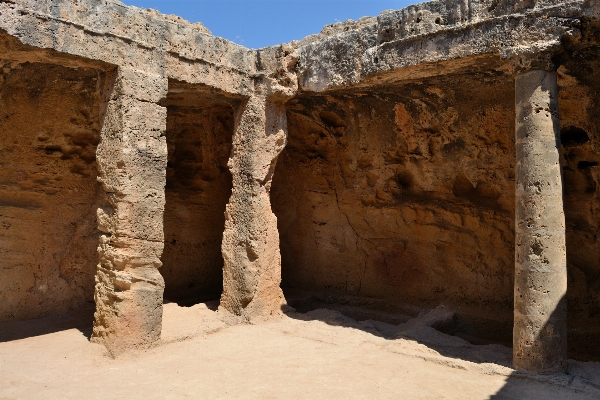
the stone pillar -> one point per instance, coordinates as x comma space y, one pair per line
132, 158
252, 268
540, 326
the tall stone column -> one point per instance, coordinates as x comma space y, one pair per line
132, 158
252, 268
540, 326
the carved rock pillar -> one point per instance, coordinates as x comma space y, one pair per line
540, 325
132, 158
252, 268
250, 247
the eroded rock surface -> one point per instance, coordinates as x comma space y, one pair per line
132, 159
380, 154
252, 261
405, 193
579, 83
48, 189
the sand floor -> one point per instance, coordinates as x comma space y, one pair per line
205, 354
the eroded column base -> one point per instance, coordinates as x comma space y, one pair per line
128, 309
540, 345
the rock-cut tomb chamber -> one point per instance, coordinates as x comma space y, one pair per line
444, 153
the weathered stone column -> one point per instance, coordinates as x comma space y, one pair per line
540, 327
132, 158
252, 269
250, 248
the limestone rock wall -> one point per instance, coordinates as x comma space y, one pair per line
405, 193
579, 85
50, 128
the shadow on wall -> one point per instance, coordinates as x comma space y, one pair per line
579, 84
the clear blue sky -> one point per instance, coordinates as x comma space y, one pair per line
260, 23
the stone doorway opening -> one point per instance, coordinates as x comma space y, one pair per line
200, 124
396, 198
50, 121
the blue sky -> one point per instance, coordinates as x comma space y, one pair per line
260, 23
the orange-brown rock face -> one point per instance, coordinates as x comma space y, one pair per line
396, 181
405, 193
48, 189
198, 188
579, 83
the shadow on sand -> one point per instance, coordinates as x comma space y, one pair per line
81, 319
579, 382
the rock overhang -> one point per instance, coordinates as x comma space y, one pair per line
409, 42
343, 54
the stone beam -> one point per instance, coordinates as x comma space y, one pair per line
540, 324
132, 158
113, 33
430, 33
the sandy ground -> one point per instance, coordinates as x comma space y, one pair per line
322, 354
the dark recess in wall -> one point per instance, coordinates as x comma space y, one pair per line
199, 134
